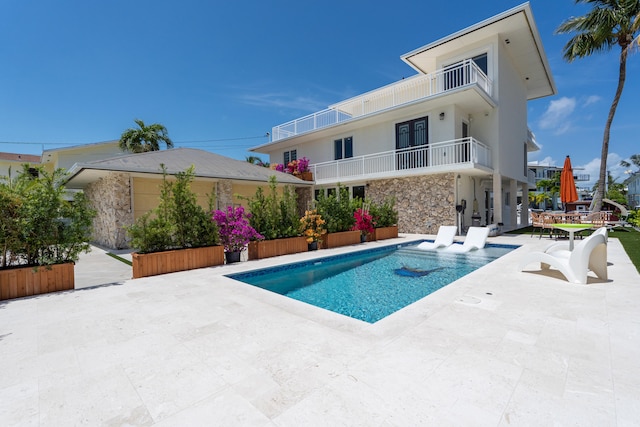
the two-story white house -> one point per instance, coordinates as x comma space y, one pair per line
449, 143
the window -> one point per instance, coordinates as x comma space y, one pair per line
343, 148
357, 191
290, 156
459, 74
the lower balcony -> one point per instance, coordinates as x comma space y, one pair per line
439, 157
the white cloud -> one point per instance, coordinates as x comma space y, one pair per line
557, 115
592, 99
593, 170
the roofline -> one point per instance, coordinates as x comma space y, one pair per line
77, 169
72, 147
524, 7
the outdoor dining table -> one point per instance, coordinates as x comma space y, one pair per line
571, 229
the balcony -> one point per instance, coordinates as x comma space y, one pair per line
459, 76
437, 157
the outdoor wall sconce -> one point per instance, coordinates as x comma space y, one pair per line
442, 116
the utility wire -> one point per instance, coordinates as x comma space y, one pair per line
175, 142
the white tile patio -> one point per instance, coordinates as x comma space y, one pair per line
498, 347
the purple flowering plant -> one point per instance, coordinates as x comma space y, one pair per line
234, 229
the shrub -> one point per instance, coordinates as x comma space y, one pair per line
337, 210
384, 214
178, 222
38, 226
274, 216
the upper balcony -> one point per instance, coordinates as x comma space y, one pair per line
459, 154
453, 78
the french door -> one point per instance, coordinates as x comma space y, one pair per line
412, 137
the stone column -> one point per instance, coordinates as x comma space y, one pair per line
111, 198
224, 196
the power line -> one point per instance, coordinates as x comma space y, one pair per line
175, 142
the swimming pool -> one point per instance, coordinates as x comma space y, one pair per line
371, 284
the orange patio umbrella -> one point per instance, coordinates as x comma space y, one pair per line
568, 192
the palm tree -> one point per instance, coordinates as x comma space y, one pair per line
144, 138
255, 160
635, 159
609, 23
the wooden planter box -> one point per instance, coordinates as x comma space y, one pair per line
27, 281
385, 232
305, 176
152, 264
277, 247
343, 238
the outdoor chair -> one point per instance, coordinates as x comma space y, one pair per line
589, 255
444, 238
476, 239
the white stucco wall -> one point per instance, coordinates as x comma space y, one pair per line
512, 120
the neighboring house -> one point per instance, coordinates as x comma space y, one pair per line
66, 157
453, 135
13, 162
633, 190
543, 172
124, 188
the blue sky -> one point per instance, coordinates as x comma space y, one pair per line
220, 75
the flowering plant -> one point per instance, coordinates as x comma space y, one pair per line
364, 221
303, 165
294, 167
312, 226
235, 231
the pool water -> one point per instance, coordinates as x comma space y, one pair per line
371, 284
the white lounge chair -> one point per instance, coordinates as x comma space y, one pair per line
444, 238
476, 239
589, 254
564, 246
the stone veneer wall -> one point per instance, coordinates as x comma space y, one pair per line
111, 198
304, 199
224, 194
423, 202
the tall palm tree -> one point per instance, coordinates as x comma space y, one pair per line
144, 138
610, 23
635, 159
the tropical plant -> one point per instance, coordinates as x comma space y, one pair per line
234, 228
635, 160
274, 215
38, 225
363, 221
610, 23
337, 209
384, 214
144, 138
312, 226
178, 222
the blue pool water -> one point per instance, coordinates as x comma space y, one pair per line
371, 284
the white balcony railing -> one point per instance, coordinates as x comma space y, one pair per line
439, 155
454, 77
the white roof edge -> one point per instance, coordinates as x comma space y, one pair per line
522, 7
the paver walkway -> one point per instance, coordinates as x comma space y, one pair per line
498, 347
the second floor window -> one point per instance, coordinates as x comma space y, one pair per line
343, 148
290, 156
